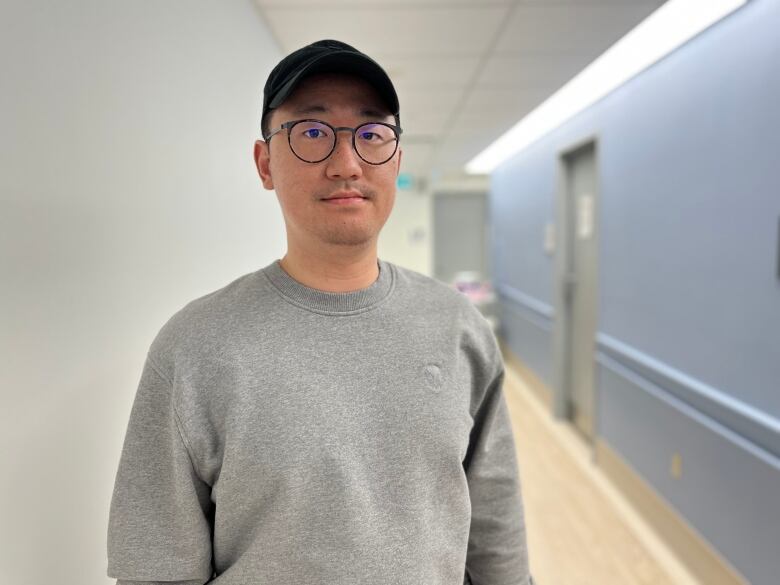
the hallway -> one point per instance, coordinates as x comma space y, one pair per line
580, 529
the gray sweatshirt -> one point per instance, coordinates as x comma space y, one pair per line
282, 435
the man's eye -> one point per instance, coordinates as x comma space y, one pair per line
369, 136
313, 133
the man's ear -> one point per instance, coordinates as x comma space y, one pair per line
398, 168
263, 163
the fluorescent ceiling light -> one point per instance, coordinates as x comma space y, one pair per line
658, 35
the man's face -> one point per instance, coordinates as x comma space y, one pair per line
306, 190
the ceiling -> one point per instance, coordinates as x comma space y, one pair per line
465, 70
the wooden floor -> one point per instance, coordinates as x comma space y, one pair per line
580, 530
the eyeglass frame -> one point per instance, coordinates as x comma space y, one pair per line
289, 125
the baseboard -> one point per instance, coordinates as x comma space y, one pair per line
537, 386
693, 551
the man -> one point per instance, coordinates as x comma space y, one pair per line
331, 418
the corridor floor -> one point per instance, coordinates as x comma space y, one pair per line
580, 529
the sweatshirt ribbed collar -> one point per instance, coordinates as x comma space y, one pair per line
321, 301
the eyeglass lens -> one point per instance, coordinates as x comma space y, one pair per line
314, 141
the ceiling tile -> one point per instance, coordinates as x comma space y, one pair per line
427, 111
326, 4
491, 127
424, 71
531, 70
496, 109
428, 100
457, 154
486, 99
655, 3
572, 27
396, 30
421, 122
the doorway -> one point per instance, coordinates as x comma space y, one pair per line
576, 285
460, 235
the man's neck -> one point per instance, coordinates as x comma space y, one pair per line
333, 272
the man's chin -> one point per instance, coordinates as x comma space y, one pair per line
348, 237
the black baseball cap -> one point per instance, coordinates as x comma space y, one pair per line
327, 56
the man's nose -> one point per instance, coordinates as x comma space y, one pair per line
344, 162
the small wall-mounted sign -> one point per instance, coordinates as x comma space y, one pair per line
676, 467
405, 181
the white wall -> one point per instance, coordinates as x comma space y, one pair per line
406, 238
127, 188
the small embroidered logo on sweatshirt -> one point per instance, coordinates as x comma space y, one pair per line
433, 377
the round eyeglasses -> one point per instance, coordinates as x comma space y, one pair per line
313, 141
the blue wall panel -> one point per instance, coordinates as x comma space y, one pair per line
689, 170
728, 489
518, 218
528, 332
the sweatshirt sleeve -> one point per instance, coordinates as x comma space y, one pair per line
161, 514
497, 550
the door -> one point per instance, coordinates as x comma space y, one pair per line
459, 235
579, 285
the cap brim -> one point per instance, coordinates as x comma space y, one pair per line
343, 62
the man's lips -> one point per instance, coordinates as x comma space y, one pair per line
344, 195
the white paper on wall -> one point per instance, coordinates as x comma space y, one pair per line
585, 216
